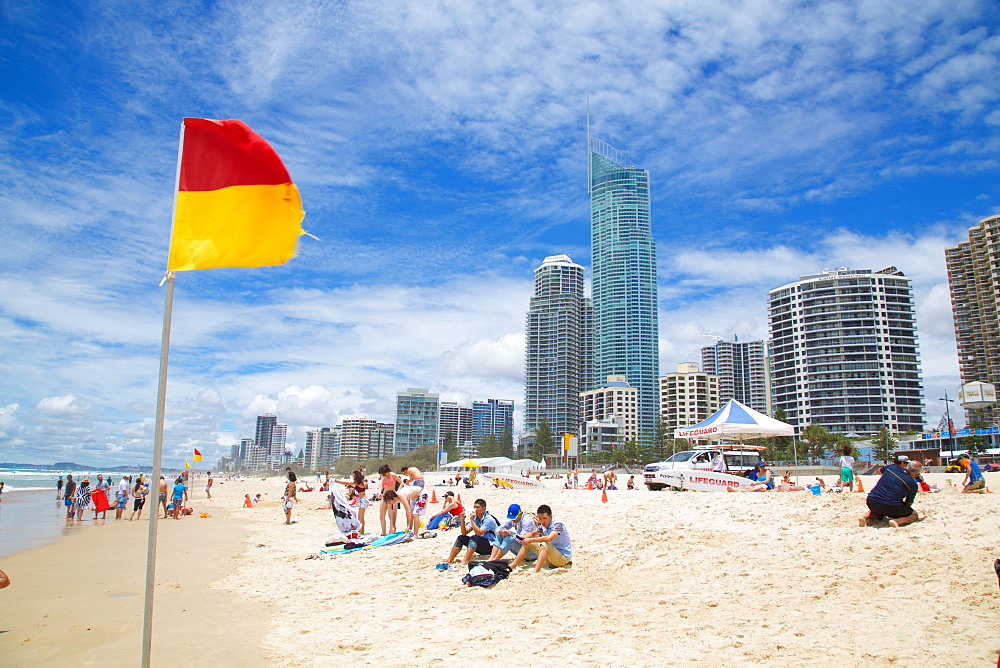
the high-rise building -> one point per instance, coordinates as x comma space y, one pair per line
742, 372
264, 436
492, 417
558, 350
974, 279
843, 351
245, 444
457, 421
417, 416
626, 327
322, 448
256, 459
615, 399
277, 457
687, 397
356, 437
381, 444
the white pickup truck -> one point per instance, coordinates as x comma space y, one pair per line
692, 469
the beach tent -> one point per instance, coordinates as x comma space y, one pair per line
734, 421
464, 464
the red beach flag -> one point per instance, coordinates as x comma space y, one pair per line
236, 203
197, 455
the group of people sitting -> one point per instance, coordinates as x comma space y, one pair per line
762, 480
539, 537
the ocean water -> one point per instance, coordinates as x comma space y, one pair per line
30, 513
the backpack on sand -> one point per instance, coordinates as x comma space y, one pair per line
486, 573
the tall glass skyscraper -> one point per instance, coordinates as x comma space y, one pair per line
626, 323
558, 347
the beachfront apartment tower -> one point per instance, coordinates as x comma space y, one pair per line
492, 417
356, 437
264, 438
322, 448
742, 371
381, 444
558, 347
687, 397
843, 351
457, 421
974, 279
624, 277
417, 420
615, 400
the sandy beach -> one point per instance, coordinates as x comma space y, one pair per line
657, 578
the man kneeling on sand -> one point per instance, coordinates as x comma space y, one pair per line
550, 541
893, 495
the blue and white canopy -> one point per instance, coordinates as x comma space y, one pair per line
734, 420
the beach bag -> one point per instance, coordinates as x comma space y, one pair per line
486, 573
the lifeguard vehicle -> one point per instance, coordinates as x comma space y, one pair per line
692, 469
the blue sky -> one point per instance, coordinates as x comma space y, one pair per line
440, 152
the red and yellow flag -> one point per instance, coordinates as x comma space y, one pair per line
197, 455
236, 203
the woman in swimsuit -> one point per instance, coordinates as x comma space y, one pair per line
359, 486
390, 483
288, 500
139, 499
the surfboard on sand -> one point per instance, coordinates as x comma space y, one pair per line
515, 481
100, 500
381, 541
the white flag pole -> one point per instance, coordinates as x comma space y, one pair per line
161, 400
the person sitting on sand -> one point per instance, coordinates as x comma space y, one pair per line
449, 508
549, 541
974, 482
631, 482
247, 503
762, 482
510, 533
893, 496
476, 535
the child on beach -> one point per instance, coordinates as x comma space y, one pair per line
288, 499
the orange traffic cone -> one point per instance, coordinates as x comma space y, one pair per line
434, 496
861, 487
590, 484
604, 495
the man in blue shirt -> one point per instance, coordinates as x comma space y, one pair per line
975, 482
893, 495
477, 536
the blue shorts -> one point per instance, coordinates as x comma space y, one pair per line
511, 544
